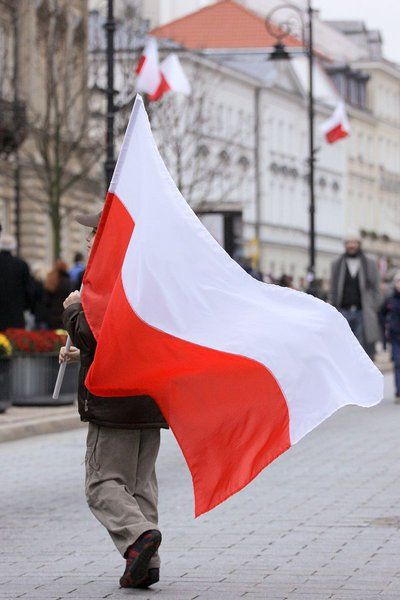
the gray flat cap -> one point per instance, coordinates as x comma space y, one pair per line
89, 220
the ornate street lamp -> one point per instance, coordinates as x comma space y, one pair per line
280, 30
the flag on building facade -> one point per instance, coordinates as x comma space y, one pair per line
148, 69
241, 369
173, 78
337, 126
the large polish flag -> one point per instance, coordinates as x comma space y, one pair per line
241, 370
337, 126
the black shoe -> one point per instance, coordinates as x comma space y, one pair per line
138, 557
153, 576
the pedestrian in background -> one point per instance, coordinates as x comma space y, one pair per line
317, 289
57, 287
247, 265
77, 271
286, 281
16, 290
355, 292
38, 303
390, 320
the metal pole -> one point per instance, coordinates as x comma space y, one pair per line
17, 169
109, 26
311, 113
257, 216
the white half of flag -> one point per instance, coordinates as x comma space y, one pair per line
148, 69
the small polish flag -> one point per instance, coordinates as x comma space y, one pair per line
337, 126
173, 78
148, 69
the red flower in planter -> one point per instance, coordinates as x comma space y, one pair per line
33, 342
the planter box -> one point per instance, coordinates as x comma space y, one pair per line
5, 371
33, 378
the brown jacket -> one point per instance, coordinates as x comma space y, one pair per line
132, 412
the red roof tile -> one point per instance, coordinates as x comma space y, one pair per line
225, 24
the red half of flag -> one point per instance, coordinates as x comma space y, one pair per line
335, 134
140, 64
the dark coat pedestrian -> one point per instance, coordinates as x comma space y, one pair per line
286, 281
15, 286
390, 320
316, 288
390, 317
140, 412
39, 307
57, 286
355, 292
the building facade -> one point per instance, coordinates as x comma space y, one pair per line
373, 157
207, 140
357, 179
44, 91
357, 185
276, 223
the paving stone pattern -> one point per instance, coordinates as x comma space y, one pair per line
322, 522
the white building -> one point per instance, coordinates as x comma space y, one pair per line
357, 180
369, 185
207, 140
276, 226
373, 160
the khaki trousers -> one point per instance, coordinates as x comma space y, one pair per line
121, 484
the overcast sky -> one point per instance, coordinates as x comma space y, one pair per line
378, 14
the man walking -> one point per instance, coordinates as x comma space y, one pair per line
16, 285
122, 446
355, 292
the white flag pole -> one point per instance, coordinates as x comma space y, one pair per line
61, 372
62, 367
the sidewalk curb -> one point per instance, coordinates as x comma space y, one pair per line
40, 426
67, 418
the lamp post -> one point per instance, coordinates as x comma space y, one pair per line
284, 29
17, 169
109, 27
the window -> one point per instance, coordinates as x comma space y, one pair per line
220, 118
351, 85
240, 123
244, 162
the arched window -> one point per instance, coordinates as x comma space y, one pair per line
244, 162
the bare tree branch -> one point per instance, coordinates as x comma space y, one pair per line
61, 154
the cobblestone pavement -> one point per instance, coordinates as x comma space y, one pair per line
322, 522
